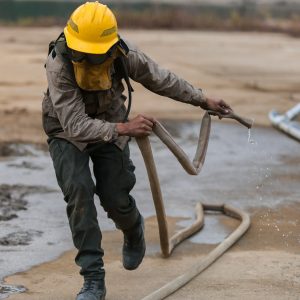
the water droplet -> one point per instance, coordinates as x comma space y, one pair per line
250, 139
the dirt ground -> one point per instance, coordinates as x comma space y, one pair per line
254, 73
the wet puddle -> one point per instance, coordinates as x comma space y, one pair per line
246, 171
27, 197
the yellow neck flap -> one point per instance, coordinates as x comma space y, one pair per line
92, 77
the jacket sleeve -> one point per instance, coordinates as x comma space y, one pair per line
143, 69
70, 109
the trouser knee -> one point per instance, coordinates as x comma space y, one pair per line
80, 202
121, 209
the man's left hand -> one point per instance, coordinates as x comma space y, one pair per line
217, 105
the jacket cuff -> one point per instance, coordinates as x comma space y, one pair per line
115, 134
198, 99
111, 134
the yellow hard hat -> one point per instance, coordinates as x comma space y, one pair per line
92, 28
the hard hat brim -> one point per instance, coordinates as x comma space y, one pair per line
87, 47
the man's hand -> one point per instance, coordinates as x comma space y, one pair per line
217, 105
138, 127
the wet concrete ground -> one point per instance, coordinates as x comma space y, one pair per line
260, 174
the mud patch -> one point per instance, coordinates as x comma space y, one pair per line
6, 290
17, 150
25, 165
12, 199
22, 238
287, 159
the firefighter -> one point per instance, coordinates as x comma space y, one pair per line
85, 118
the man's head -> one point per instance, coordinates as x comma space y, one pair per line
92, 28
92, 45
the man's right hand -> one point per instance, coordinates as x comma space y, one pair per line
140, 126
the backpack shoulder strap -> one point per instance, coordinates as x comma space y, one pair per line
52, 44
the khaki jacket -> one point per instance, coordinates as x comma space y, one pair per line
90, 117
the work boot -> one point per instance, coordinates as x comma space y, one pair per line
92, 290
134, 246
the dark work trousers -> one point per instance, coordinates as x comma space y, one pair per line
114, 174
